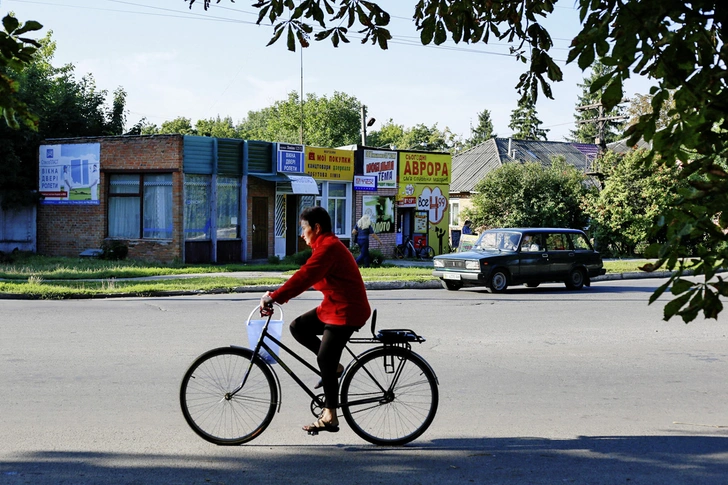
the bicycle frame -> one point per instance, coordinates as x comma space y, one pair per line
261, 344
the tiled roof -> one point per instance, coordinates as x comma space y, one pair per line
471, 166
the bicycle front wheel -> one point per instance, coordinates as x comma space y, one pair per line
209, 408
389, 396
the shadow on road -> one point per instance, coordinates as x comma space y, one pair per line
671, 459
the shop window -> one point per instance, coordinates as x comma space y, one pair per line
140, 206
228, 207
335, 198
197, 207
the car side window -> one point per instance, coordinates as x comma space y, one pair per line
557, 242
531, 243
579, 242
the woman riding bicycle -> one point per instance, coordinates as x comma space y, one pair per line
332, 270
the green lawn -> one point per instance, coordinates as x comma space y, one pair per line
54, 277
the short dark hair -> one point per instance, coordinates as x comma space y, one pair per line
317, 215
467, 223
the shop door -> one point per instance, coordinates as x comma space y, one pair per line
260, 227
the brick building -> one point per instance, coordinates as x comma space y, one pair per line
201, 199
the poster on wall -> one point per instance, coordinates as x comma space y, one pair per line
69, 174
381, 212
383, 165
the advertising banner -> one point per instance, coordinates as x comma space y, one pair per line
69, 174
383, 166
424, 168
290, 158
330, 164
381, 212
365, 183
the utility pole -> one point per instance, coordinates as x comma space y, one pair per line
363, 125
600, 121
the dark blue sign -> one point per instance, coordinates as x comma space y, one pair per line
290, 158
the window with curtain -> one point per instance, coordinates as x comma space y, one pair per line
140, 206
228, 207
197, 207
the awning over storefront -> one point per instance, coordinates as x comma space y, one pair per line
292, 184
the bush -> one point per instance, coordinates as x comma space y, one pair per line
114, 250
376, 258
274, 260
299, 258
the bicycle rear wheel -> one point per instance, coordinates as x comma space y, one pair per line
389, 396
427, 252
209, 409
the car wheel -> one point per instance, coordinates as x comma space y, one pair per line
451, 286
575, 280
533, 285
498, 281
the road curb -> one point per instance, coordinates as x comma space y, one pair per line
370, 285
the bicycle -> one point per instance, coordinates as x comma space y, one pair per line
408, 247
388, 393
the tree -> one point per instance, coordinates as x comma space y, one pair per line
327, 121
589, 109
636, 192
419, 137
641, 104
65, 107
179, 125
680, 45
218, 128
530, 195
16, 53
482, 132
525, 123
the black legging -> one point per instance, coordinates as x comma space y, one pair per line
306, 329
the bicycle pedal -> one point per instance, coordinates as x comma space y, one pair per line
313, 432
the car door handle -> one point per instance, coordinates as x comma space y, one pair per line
545, 255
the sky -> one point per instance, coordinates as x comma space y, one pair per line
174, 61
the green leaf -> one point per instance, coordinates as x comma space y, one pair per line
428, 31
440, 33
30, 26
612, 95
10, 23
291, 39
672, 308
681, 286
659, 291
586, 58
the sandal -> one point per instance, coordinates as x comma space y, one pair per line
320, 425
339, 371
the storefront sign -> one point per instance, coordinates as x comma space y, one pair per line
290, 158
383, 165
365, 182
69, 174
424, 168
330, 164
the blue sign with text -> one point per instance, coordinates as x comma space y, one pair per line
290, 158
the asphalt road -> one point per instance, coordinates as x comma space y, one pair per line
537, 386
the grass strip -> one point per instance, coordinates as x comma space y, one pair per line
39, 289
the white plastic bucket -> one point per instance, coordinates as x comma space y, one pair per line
255, 327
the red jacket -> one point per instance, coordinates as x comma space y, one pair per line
332, 270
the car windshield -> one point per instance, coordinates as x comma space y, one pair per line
499, 240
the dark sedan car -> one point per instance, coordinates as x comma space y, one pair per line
530, 256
